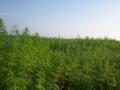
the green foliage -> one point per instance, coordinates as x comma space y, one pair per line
38, 63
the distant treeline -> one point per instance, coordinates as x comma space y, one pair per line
38, 63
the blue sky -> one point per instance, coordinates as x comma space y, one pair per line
65, 18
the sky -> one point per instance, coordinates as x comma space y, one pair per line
65, 18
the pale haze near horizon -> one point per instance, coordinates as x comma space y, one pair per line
65, 18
